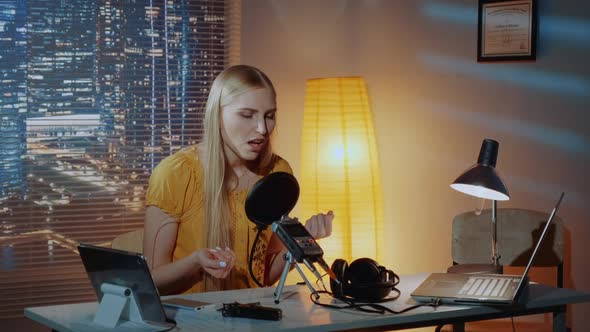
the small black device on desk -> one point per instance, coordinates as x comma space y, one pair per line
251, 310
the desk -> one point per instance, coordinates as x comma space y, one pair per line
300, 314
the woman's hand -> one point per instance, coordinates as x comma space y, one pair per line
320, 225
217, 262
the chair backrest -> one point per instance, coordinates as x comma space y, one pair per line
130, 241
518, 232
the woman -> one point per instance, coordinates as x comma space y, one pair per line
197, 236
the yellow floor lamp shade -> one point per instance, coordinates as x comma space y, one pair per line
340, 166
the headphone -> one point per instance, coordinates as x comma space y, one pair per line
364, 280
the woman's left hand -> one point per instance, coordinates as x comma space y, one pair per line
320, 225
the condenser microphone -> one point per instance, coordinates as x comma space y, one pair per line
269, 199
301, 245
297, 239
268, 203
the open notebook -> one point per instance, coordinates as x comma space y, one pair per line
485, 289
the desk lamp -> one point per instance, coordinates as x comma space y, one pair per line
482, 180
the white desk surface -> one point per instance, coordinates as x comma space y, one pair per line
299, 313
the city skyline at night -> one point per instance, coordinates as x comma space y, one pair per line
93, 95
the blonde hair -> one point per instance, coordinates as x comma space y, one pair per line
230, 83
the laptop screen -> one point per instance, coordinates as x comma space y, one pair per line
538, 245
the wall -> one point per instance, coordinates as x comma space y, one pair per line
433, 104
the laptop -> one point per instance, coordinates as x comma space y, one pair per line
126, 269
482, 289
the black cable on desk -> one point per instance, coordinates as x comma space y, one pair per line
374, 308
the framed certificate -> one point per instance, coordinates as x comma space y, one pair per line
507, 30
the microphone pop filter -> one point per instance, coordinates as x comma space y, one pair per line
272, 197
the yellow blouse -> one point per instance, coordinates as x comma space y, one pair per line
176, 187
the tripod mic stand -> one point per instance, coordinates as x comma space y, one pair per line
291, 262
301, 247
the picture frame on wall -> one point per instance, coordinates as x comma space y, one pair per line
506, 30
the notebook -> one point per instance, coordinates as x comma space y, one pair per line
127, 269
484, 289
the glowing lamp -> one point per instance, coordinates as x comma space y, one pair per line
340, 166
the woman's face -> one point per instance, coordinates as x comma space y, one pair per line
246, 124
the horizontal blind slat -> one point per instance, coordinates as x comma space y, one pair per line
93, 96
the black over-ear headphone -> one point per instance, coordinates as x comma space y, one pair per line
363, 280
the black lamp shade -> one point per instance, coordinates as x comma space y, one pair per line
482, 179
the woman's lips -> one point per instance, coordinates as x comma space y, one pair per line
256, 145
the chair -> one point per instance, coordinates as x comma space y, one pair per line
518, 232
130, 241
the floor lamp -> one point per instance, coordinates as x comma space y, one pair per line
340, 166
482, 180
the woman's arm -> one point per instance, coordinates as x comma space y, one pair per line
160, 232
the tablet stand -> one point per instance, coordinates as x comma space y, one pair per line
117, 304
291, 262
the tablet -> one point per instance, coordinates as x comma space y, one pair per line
126, 269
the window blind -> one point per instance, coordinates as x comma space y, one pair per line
93, 94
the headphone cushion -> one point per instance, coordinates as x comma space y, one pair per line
369, 281
339, 267
363, 271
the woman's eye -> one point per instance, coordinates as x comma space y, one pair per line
246, 115
270, 116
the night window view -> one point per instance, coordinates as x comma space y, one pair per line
93, 94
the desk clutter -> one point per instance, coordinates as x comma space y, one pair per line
127, 293
299, 313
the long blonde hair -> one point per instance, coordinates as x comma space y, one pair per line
230, 83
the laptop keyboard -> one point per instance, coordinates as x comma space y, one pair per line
485, 286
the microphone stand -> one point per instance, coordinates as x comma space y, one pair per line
291, 262
301, 248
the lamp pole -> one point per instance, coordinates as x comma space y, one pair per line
495, 255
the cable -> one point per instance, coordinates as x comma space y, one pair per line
320, 278
251, 258
362, 306
352, 303
169, 320
152, 258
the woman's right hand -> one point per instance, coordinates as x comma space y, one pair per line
217, 262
